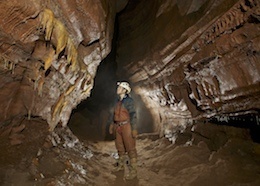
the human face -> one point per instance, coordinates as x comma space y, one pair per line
120, 90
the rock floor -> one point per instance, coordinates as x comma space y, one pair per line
71, 161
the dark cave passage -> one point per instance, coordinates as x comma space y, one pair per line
249, 121
89, 119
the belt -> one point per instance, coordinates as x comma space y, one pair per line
120, 123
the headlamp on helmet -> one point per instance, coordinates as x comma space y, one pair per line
125, 85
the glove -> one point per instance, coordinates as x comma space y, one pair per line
111, 128
134, 133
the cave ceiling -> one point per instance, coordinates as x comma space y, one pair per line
186, 60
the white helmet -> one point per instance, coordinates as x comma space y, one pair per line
125, 85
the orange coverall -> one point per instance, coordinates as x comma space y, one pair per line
125, 122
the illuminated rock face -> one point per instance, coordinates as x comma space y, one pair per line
185, 60
49, 54
194, 60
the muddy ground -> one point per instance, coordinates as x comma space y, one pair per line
61, 158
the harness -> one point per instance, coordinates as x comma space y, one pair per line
120, 123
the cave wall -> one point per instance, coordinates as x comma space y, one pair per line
191, 60
49, 53
185, 60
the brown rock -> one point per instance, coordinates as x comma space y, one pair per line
18, 129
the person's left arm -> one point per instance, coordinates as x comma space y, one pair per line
130, 106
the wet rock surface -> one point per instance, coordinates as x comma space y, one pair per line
63, 159
194, 60
188, 60
185, 61
49, 54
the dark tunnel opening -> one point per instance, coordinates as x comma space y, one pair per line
89, 119
250, 121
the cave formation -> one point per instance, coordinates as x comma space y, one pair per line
193, 66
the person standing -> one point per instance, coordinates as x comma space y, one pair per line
123, 126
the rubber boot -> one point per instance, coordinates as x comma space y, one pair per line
132, 169
120, 164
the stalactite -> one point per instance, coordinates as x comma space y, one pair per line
40, 84
86, 83
49, 59
55, 29
86, 91
56, 33
57, 107
69, 90
47, 21
61, 36
72, 54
